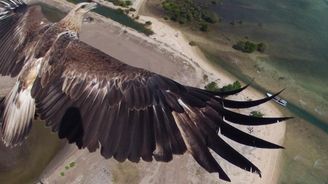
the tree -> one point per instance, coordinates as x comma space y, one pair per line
245, 46
204, 27
212, 86
148, 23
257, 114
261, 47
231, 87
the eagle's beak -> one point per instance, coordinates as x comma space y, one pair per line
91, 6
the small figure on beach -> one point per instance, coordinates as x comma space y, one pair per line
250, 130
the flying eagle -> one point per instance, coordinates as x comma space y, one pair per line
96, 101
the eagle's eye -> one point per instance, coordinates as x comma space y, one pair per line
83, 6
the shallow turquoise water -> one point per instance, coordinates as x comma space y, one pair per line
118, 16
296, 33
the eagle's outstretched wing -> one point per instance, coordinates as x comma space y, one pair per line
19, 24
21, 27
96, 101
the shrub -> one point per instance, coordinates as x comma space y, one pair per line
148, 23
190, 11
128, 3
231, 87
72, 164
210, 17
212, 86
203, 27
261, 47
245, 46
257, 114
192, 43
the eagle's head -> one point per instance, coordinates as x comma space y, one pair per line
83, 8
73, 20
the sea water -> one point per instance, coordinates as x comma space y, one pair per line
296, 35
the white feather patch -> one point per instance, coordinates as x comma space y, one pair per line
18, 114
185, 106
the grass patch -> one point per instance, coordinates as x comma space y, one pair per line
192, 12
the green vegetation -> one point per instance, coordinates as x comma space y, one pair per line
148, 23
249, 47
257, 114
190, 11
192, 43
123, 3
261, 47
231, 87
245, 46
67, 167
212, 86
72, 164
203, 27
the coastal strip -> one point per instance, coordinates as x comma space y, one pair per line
167, 52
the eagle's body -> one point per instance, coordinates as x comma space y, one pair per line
96, 101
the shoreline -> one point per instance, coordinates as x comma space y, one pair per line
178, 47
197, 57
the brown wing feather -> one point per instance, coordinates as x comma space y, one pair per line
19, 25
96, 101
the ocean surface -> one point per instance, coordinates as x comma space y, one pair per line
296, 35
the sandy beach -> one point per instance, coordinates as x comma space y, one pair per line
166, 52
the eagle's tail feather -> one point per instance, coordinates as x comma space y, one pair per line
19, 109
